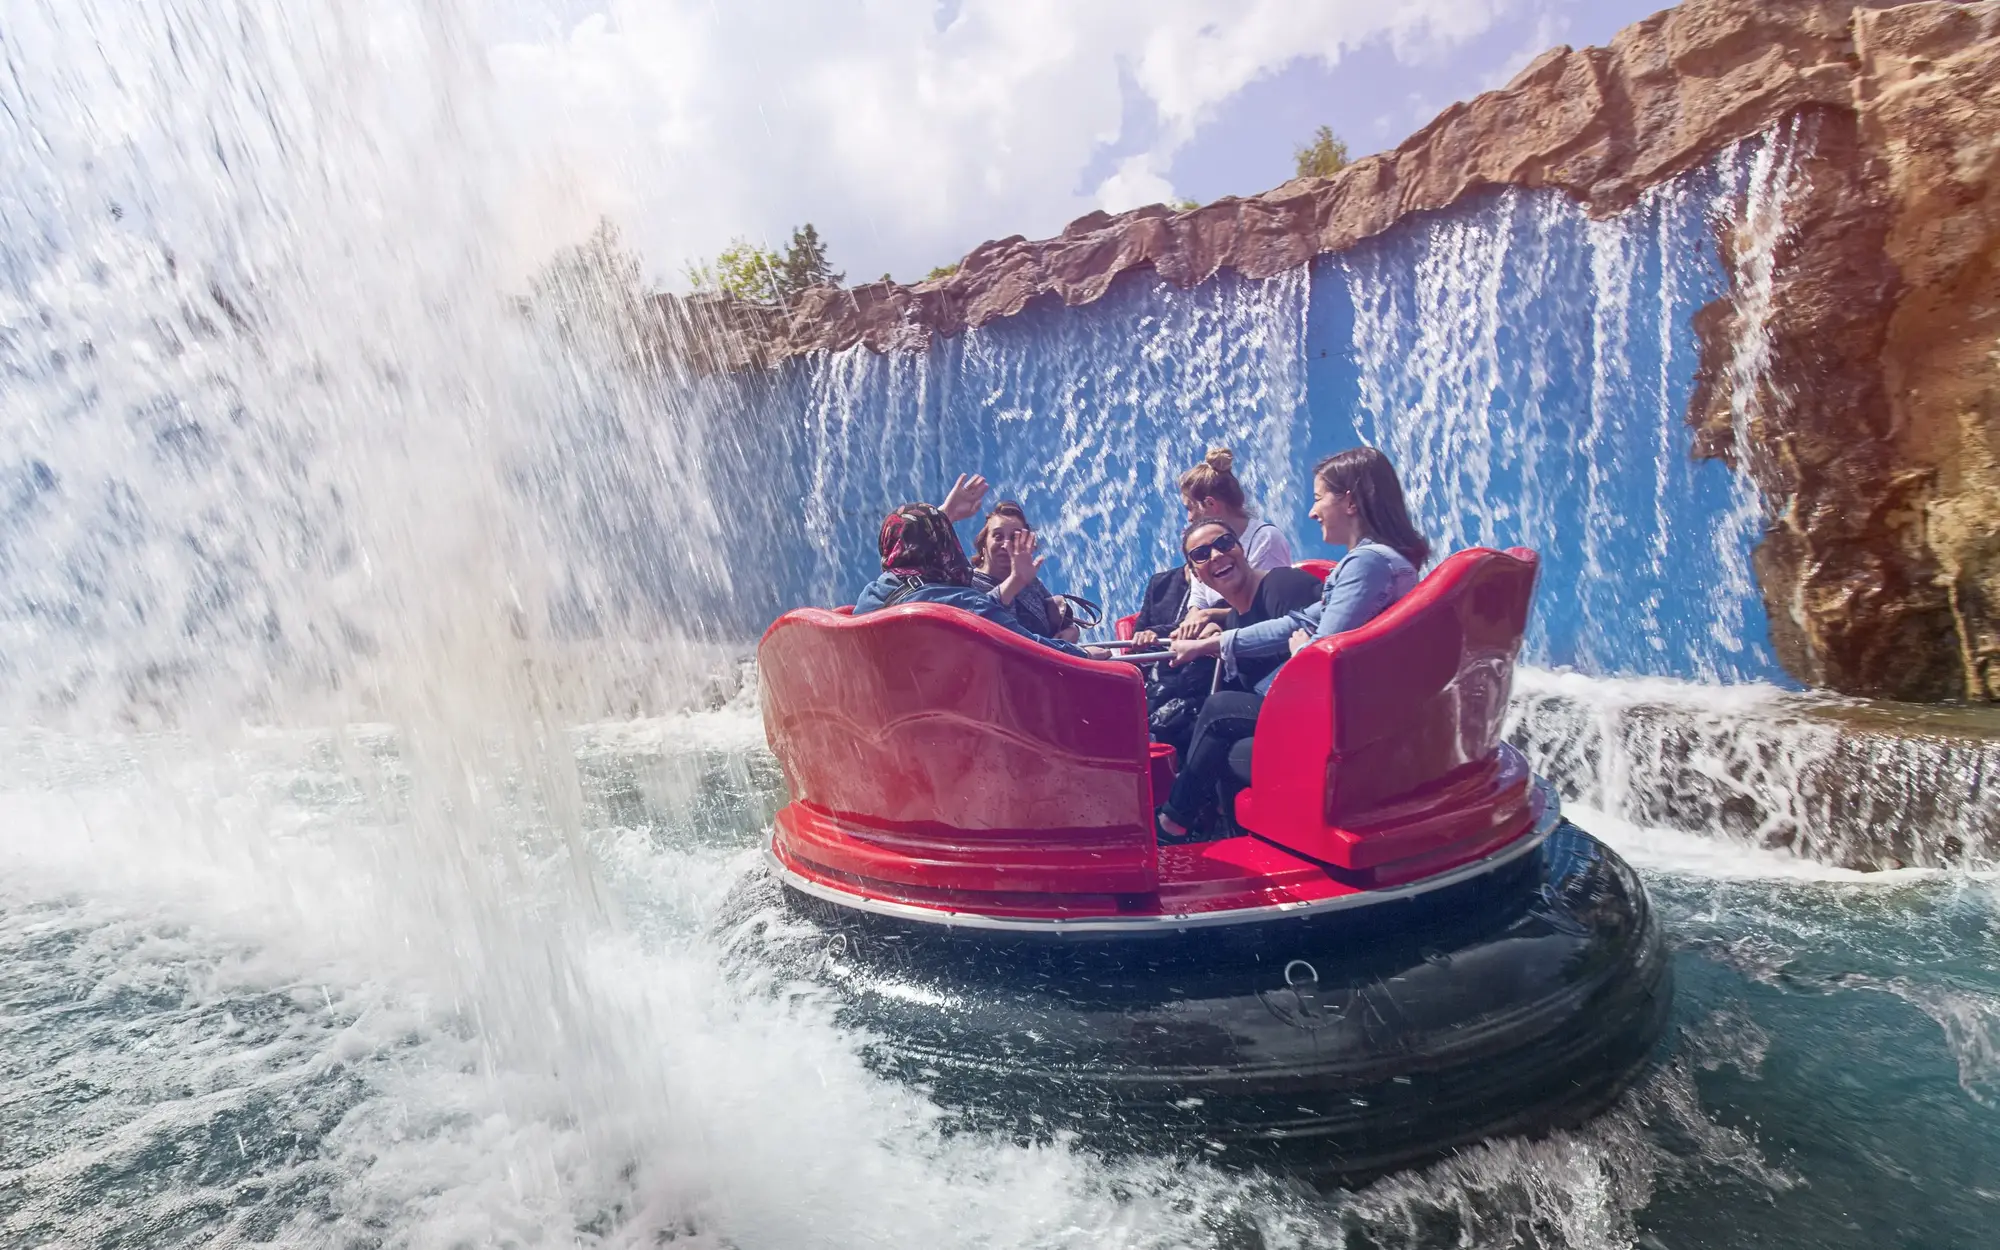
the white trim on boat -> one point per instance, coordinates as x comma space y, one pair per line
1550, 818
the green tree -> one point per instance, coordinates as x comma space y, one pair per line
762, 276
942, 271
805, 264
595, 298
744, 270
1324, 157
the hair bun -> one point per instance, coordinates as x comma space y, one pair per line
1221, 459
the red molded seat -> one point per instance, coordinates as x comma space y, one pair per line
1379, 749
926, 747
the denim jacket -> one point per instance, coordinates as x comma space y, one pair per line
875, 596
1369, 578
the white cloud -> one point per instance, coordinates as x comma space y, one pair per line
692, 121
1138, 182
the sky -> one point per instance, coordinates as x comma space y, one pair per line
909, 131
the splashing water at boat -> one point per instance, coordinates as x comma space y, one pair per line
384, 761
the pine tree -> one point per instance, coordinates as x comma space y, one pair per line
1324, 157
805, 264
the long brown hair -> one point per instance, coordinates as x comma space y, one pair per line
1214, 478
1367, 475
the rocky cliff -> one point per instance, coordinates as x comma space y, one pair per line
1872, 432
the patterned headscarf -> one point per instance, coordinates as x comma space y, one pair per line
918, 541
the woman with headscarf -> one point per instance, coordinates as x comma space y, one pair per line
922, 562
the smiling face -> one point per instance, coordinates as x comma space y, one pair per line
1338, 514
1223, 571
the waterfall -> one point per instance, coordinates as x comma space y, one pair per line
1529, 369
1756, 197
1086, 417
1836, 781
282, 446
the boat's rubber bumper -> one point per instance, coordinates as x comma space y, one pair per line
1343, 1045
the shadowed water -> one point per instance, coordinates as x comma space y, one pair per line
198, 1045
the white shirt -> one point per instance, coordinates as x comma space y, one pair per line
1265, 548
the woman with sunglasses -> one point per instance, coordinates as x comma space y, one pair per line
1215, 559
1251, 595
1211, 492
1359, 505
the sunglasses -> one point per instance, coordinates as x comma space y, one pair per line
1203, 554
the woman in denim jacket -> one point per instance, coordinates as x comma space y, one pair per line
1358, 503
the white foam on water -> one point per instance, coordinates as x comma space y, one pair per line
679, 1097
671, 1096
1836, 780
1676, 851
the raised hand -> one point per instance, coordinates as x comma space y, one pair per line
1024, 566
962, 501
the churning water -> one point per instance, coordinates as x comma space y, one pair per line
376, 748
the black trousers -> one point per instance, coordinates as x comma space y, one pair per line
1229, 717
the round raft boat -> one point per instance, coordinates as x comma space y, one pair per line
1406, 950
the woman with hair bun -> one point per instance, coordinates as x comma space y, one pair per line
1358, 502
1211, 492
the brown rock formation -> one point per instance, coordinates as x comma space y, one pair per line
1929, 100
1873, 432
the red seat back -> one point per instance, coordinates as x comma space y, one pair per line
928, 747
1359, 728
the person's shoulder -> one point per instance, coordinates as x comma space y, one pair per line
875, 594
1267, 540
963, 596
1371, 560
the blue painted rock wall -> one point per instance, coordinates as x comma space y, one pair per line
1527, 368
